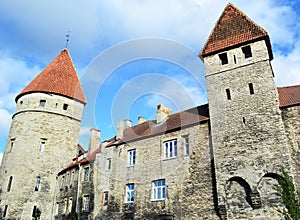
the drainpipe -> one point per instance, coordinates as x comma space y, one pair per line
78, 188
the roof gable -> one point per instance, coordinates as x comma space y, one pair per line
234, 28
59, 77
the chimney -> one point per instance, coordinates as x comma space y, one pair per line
162, 113
141, 120
94, 142
120, 129
127, 123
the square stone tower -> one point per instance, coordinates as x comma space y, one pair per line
42, 139
247, 130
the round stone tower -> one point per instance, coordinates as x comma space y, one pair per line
42, 140
248, 136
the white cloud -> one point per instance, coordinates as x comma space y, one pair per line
84, 131
5, 118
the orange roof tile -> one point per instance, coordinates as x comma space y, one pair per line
232, 29
175, 121
59, 77
289, 96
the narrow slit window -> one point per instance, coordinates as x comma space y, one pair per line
234, 59
12, 141
247, 52
9, 183
251, 89
228, 94
5, 211
42, 145
224, 59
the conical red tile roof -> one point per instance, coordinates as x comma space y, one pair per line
59, 77
232, 29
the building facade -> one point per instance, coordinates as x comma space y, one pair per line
215, 161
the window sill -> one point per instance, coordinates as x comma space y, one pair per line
169, 158
158, 200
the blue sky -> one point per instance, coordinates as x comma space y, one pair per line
110, 46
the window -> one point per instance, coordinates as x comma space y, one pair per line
105, 198
65, 205
108, 163
85, 202
159, 189
86, 174
228, 94
56, 208
37, 183
251, 89
12, 141
247, 51
70, 205
42, 103
9, 184
129, 193
42, 145
72, 177
36, 213
62, 181
5, 211
131, 157
223, 57
65, 107
186, 145
170, 148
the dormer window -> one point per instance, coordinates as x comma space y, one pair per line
247, 51
42, 103
224, 59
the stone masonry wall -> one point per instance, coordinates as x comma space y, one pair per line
24, 159
188, 178
248, 134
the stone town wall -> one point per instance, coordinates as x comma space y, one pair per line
24, 159
291, 121
188, 178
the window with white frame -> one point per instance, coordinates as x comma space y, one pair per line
37, 183
159, 190
56, 208
70, 203
86, 174
170, 148
105, 198
42, 145
65, 205
129, 193
186, 145
85, 202
131, 157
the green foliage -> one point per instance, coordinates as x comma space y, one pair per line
287, 192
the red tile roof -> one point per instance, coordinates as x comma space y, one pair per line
233, 29
173, 122
289, 96
59, 77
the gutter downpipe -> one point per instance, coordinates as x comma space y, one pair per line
78, 188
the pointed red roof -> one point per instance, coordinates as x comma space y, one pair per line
233, 29
59, 77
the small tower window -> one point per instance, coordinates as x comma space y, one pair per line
247, 51
36, 213
224, 59
9, 183
251, 89
65, 107
228, 94
37, 183
42, 103
5, 211
12, 141
42, 145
